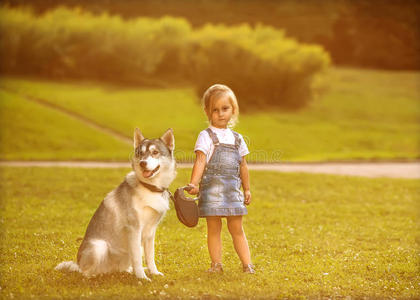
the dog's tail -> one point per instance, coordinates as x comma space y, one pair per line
70, 266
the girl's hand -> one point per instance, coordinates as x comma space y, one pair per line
247, 195
194, 189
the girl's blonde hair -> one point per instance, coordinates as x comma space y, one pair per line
213, 93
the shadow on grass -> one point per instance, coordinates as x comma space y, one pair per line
72, 278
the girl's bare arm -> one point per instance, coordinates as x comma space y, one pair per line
245, 180
197, 171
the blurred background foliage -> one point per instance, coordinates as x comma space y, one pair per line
263, 66
118, 63
363, 33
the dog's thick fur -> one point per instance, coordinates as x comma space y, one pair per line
128, 217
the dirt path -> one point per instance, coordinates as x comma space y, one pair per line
365, 169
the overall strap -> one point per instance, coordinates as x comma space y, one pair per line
237, 139
213, 136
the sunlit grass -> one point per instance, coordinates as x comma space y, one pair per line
364, 114
310, 236
29, 130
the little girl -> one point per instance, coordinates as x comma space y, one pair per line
220, 168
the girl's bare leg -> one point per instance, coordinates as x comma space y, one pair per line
214, 241
239, 239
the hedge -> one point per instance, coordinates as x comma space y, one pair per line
263, 66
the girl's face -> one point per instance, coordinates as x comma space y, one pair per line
221, 112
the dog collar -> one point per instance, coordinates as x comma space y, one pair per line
155, 189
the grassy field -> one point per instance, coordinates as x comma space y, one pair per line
310, 236
30, 130
364, 114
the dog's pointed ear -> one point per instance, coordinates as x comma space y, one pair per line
169, 139
138, 138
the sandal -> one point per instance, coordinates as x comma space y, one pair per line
249, 268
215, 268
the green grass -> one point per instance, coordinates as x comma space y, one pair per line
310, 236
364, 114
30, 130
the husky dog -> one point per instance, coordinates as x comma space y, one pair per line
127, 218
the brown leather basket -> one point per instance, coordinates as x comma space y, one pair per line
186, 208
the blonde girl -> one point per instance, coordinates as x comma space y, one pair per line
219, 171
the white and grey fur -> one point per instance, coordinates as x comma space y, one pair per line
126, 220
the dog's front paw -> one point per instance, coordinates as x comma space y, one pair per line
142, 275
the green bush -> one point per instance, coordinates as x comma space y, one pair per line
262, 66
363, 33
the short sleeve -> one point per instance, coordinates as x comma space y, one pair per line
243, 148
203, 143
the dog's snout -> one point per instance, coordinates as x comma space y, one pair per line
143, 164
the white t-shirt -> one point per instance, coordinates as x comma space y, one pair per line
225, 136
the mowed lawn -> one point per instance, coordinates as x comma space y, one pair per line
362, 114
310, 235
31, 131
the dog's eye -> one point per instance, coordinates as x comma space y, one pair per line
155, 152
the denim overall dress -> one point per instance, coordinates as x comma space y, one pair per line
220, 193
